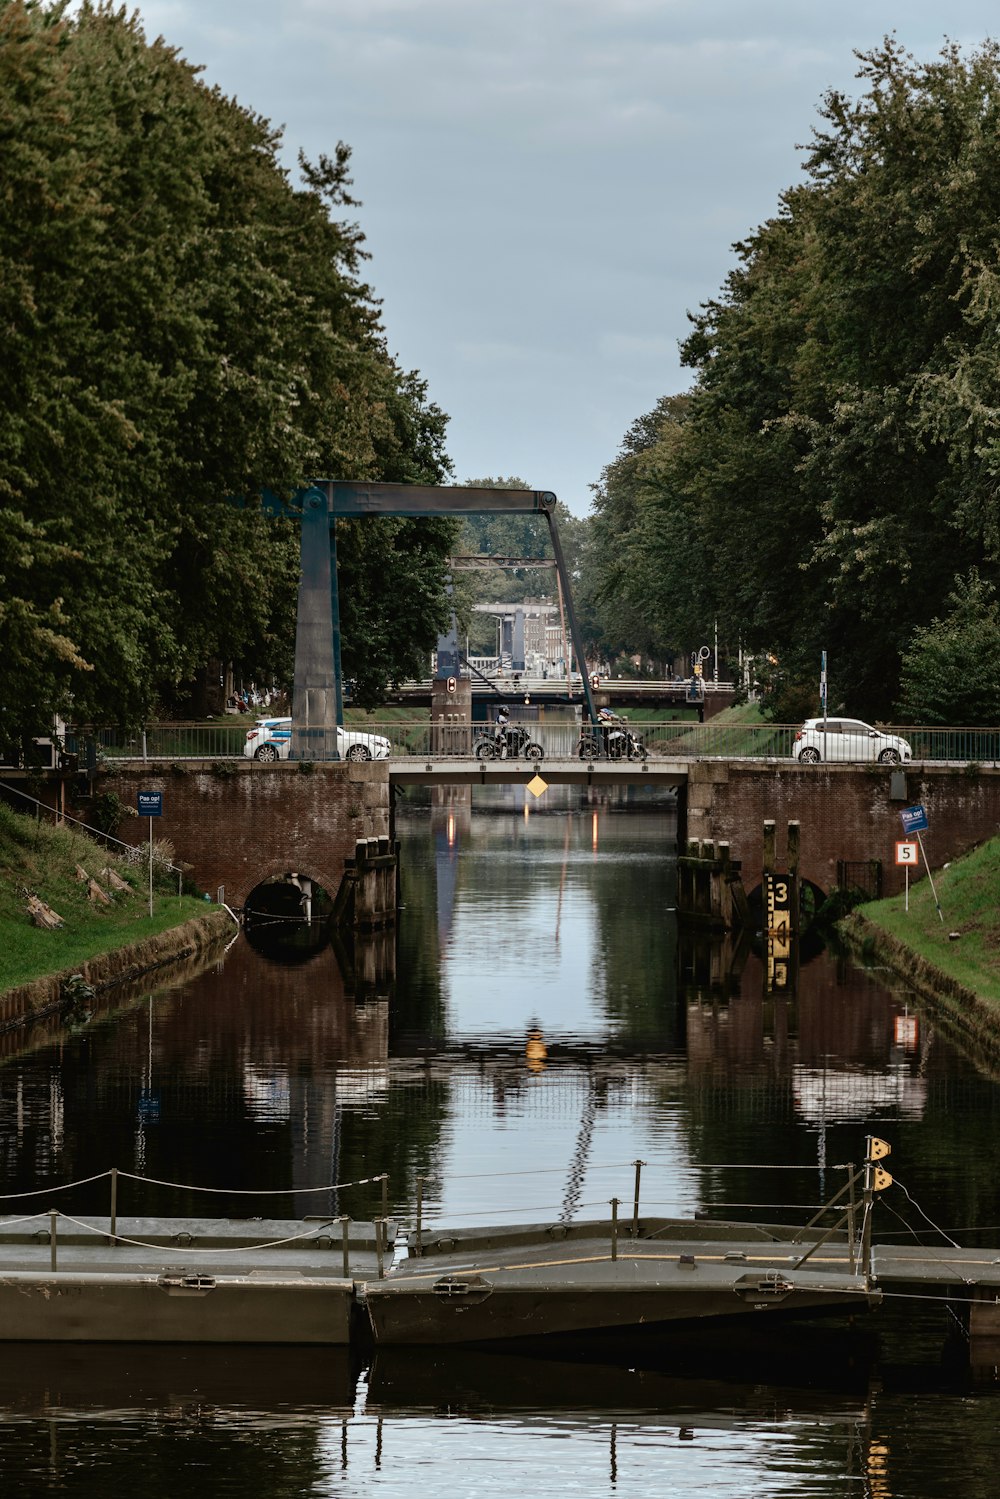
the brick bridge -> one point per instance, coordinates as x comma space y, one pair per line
237, 823
848, 812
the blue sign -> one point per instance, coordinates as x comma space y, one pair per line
914, 819
150, 803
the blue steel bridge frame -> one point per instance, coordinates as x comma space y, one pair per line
318, 695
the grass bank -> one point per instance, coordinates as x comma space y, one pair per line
39, 860
969, 893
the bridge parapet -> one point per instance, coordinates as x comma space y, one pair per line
237, 824
846, 812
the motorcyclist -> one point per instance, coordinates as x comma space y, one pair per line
500, 733
608, 723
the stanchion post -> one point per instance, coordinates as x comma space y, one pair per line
53, 1217
114, 1203
385, 1196
379, 1231
635, 1200
614, 1228
867, 1201
345, 1245
418, 1247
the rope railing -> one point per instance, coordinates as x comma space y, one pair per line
153, 1181
63, 1187
313, 1232
364, 1181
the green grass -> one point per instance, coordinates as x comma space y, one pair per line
361, 719
969, 893
39, 859
740, 713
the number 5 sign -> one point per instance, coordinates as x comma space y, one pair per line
907, 853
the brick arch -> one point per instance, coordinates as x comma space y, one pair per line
249, 823
276, 869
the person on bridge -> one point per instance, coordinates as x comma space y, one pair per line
501, 733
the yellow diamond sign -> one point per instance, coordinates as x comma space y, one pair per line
536, 785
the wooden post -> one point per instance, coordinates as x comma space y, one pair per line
725, 887
769, 845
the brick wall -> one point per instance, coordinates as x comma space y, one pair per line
845, 812
257, 821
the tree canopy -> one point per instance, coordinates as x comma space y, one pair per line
183, 324
836, 462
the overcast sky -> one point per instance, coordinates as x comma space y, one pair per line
548, 186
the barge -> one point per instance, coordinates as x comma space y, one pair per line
512, 1285
185, 1280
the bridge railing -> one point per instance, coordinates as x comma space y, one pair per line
672, 739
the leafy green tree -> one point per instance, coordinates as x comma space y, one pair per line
951, 667
182, 325
836, 462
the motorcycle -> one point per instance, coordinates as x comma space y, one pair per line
612, 739
508, 742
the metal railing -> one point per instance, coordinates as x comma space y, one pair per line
669, 739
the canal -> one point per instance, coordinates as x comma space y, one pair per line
546, 1029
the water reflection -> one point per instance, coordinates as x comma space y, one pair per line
306, 1422
534, 1030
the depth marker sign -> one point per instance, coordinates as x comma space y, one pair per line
907, 854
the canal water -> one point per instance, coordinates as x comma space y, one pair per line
537, 1029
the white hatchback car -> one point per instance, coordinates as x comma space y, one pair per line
848, 739
271, 739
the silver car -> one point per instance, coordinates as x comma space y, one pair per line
848, 739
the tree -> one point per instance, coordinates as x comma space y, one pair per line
182, 325
951, 667
837, 459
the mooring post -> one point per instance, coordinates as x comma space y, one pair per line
769, 845
851, 1226
635, 1200
53, 1216
418, 1247
385, 1196
345, 1245
725, 878
614, 1228
114, 1203
379, 1230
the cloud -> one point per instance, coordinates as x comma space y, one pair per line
548, 186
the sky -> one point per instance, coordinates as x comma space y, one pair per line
549, 187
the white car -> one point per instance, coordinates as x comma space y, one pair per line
848, 739
271, 739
